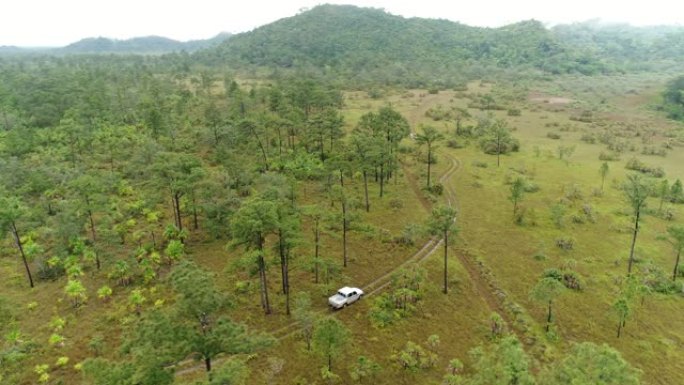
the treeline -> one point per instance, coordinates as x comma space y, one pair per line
673, 98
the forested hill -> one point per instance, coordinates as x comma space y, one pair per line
357, 41
623, 42
147, 45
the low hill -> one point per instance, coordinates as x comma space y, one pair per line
355, 41
144, 45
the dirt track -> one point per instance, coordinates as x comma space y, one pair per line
480, 285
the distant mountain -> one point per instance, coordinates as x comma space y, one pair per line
623, 41
358, 41
141, 45
149, 45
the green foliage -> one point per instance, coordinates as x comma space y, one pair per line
501, 363
394, 49
414, 357
231, 372
406, 290
76, 292
673, 98
330, 339
517, 191
635, 164
545, 291
568, 278
589, 363
306, 317
365, 369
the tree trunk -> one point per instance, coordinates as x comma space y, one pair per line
262, 277
382, 180
280, 142
17, 239
281, 252
428, 164
90, 218
344, 232
365, 190
619, 329
317, 237
634, 238
446, 245
176, 204
548, 318
92, 225
287, 283
498, 151
207, 363
603, 182
330, 362
194, 212
261, 146
676, 266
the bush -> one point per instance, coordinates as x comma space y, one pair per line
656, 279
609, 156
396, 204
408, 235
565, 243
588, 138
437, 189
553, 135
514, 112
637, 165
480, 164
569, 278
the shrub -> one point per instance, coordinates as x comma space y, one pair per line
558, 215
396, 204
437, 189
609, 156
480, 164
656, 279
514, 112
568, 278
588, 138
565, 243
408, 235
637, 165
553, 135
104, 293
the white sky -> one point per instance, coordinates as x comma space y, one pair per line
60, 22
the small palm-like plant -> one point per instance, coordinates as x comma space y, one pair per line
76, 292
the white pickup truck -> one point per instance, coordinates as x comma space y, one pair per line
344, 297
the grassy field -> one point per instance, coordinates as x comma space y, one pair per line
515, 254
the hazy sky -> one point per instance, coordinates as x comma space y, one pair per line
60, 22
